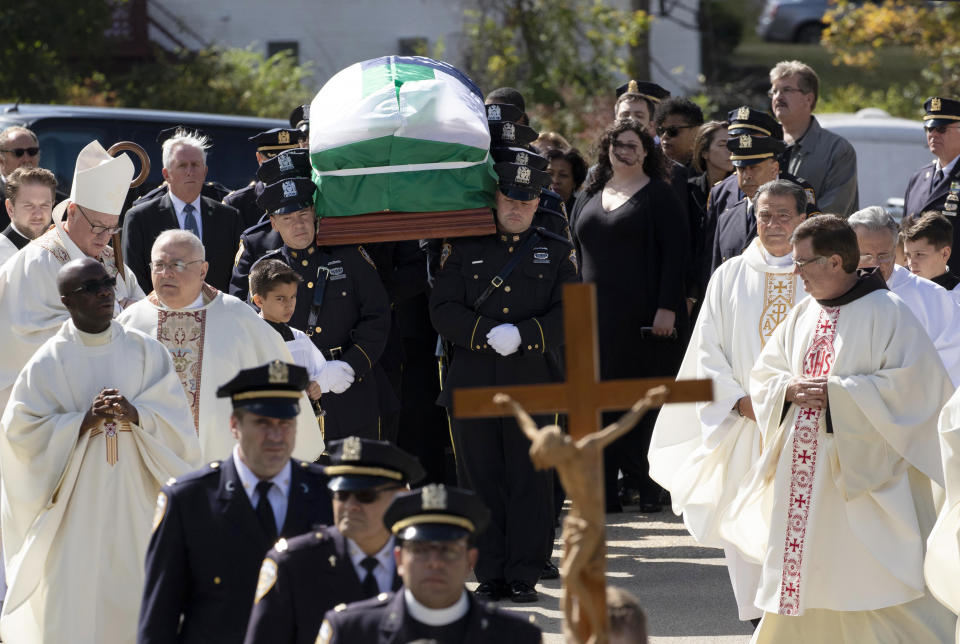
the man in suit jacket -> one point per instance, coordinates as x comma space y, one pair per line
304, 577
212, 527
435, 528
183, 206
936, 186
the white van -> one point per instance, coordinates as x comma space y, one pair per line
889, 150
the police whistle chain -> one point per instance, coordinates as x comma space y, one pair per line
116, 148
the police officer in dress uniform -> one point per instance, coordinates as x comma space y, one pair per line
435, 527
213, 526
304, 577
737, 226
342, 305
936, 186
497, 301
269, 144
257, 241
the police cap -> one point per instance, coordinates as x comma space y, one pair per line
521, 182
747, 149
436, 512
273, 389
744, 120
504, 112
276, 140
520, 156
286, 196
504, 134
646, 89
940, 111
300, 118
294, 162
361, 463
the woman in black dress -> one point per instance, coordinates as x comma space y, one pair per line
633, 238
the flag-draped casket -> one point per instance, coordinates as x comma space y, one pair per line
397, 135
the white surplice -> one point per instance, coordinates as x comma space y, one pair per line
210, 344
75, 527
700, 452
839, 519
937, 310
7, 249
30, 307
942, 563
306, 354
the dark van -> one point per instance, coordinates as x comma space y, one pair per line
63, 130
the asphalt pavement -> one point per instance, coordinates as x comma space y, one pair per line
683, 587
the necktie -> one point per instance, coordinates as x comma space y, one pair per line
189, 220
369, 585
265, 511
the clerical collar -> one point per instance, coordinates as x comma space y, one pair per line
95, 339
196, 304
786, 260
436, 616
868, 281
14, 235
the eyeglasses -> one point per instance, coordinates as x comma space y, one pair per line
425, 550
673, 130
95, 286
784, 90
98, 230
882, 258
19, 152
178, 266
803, 263
768, 218
366, 497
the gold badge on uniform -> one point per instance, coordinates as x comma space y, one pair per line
266, 580
283, 137
743, 114
935, 104
434, 497
278, 373
160, 511
745, 141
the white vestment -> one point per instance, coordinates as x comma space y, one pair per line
938, 312
701, 452
7, 249
839, 519
210, 345
75, 527
30, 307
942, 564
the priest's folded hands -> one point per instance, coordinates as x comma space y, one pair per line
808, 392
109, 404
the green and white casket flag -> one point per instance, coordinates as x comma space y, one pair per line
400, 133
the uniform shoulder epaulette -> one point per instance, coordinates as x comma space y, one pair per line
379, 600
273, 254
543, 232
181, 481
312, 468
300, 542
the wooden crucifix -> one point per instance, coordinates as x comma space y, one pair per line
578, 457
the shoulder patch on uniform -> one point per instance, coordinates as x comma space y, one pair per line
326, 631
366, 256
160, 511
266, 580
573, 259
236, 258
445, 253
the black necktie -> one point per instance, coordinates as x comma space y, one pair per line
265, 511
369, 585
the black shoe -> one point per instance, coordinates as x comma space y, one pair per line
522, 592
549, 571
492, 591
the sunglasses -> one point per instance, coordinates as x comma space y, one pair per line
366, 497
19, 152
673, 130
95, 286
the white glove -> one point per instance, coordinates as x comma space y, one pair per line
504, 339
336, 376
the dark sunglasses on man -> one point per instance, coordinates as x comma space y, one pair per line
19, 152
673, 130
93, 287
366, 496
